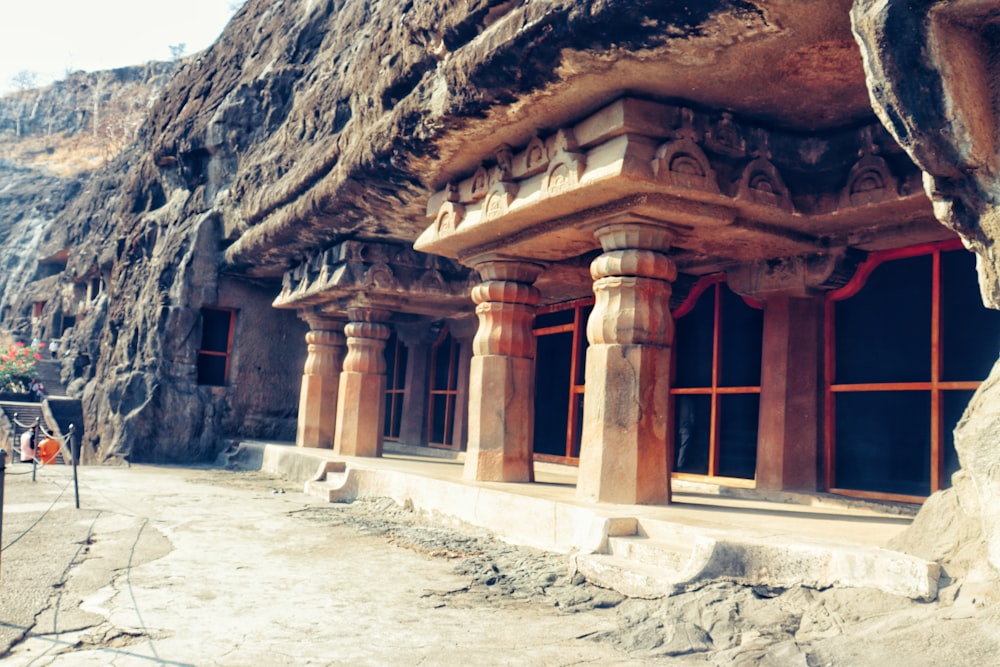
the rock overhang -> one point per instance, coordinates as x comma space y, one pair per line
531, 68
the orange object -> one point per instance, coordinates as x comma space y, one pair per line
48, 449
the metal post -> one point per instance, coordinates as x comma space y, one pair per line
34, 449
3, 476
74, 452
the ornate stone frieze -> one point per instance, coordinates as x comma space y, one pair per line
869, 182
557, 185
566, 167
795, 276
682, 164
377, 270
761, 184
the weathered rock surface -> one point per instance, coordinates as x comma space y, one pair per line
85, 102
932, 73
312, 122
30, 198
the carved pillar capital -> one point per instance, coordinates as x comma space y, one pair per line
417, 333
366, 336
799, 277
368, 315
495, 267
506, 303
464, 328
632, 286
629, 234
325, 349
320, 322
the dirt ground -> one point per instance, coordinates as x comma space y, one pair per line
181, 566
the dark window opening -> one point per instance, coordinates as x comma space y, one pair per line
560, 363
215, 353
715, 390
395, 385
906, 348
443, 391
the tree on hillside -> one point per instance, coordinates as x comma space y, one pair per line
25, 79
22, 81
177, 50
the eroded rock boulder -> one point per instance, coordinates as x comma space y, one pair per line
932, 71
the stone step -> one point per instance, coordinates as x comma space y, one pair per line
672, 556
628, 577
644, 567
49, 371
329, 481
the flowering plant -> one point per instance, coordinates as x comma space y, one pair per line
17, 367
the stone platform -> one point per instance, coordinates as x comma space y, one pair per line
639, 550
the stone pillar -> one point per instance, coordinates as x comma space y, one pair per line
789, 439
320, 382
413, 422
361, 404
623, 455
502, 373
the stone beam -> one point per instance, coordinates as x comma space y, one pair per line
795, 276
716, 180
381, 272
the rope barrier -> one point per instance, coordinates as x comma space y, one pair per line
68, 448
36, 522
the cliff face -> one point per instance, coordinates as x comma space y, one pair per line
101, 104
51, 138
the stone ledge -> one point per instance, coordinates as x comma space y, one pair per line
592, 533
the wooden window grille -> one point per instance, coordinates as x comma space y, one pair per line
908, 341
395, 385
715, 384
442, 391
560, 363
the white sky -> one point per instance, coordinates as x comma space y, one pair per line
51, 37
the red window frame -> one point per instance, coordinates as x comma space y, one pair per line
935, 386
714, 390
578, 327
445, 344
228, 354
395, 386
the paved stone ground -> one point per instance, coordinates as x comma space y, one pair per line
181, 566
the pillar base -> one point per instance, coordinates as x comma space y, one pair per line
360, 414
501, 419
623, 456
317, 399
